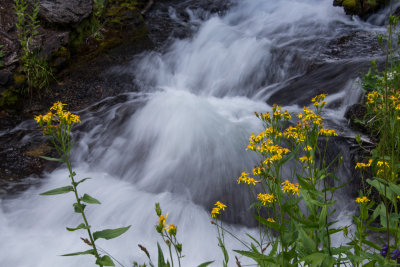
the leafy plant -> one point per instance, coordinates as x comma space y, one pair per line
37, 70
57, 125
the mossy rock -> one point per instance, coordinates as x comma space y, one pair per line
352, 6
361, 8
10, 98
59, 57
122, 22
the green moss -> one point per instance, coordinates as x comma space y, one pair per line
9, 98
19, 78
87, 27
352, 6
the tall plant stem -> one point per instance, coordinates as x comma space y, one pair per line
71, 175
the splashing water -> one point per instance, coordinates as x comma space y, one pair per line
181, 140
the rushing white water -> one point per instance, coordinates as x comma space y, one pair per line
181, 140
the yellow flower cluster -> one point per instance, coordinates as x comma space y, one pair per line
327, 132
362, 200
372, 97
306, 159
376, 99
245, 179
161, 226
216, 210
266, 198
382, 167
59, 116
290, 188
360, 165
161, 221
318, 101
270, 220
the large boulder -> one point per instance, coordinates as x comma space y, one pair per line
63, 12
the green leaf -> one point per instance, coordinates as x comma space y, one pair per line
205, 264
81, 181
308, 243
259, 258
57, 191
105, 261
222, 246
322, 217
52, 159
81, 226
161, 261
110, 233
79, 208
88, 199
87, 252
316, 259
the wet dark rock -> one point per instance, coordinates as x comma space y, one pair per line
5, 76
355, 114
52, 42
63, 12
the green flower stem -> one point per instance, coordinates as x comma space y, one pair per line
65, 152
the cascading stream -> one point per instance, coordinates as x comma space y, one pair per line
181, 140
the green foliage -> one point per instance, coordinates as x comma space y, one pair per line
57, 125
36, 69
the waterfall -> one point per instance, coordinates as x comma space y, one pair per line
181, 139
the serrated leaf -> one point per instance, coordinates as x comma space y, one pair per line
105, 261
81, 226
110, 233
205, 264
88, 199
52, 159
57, 191
87, 252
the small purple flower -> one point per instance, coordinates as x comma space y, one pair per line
395, 254
384, 250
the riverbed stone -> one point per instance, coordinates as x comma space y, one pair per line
63, 12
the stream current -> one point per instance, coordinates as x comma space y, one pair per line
180, 140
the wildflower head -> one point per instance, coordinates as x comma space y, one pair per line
245, 179
362, 200
270, 220
57, 118
290, 187
171, 229
266, 198
161, 223
361, 165
217, 209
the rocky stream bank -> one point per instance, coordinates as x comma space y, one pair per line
80, 58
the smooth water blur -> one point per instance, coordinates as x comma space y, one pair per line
181, 140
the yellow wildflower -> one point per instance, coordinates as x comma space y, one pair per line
290, 187
360, 165
270, 220
266, 198
361, 200
220, 205
216, 210
171, 229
